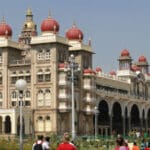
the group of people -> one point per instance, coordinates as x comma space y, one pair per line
122, 144
44, 143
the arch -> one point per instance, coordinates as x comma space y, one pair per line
126, 120
103, 116
117, 121
48, 124
7, 124
14, 94
40, 124
135, 117
28, 94
47, 97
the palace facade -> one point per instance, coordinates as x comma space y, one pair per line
122, 97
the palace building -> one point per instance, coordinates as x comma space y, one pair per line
122, 97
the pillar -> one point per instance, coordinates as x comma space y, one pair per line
123, 125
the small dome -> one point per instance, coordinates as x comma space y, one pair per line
50, 25
98, 69
142, 59
74, 34
135, 68
125, 52
5, 29
113, 73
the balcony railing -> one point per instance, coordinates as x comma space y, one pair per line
19, 62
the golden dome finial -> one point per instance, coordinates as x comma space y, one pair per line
29, 11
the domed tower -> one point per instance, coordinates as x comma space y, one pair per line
49, 25
29, 28
5, 29
82, 52
125, 60
143, 64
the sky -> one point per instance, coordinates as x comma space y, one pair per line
112, 25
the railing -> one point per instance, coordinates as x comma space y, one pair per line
20, 62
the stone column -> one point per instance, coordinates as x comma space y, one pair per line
123, 125
3, 126
129, 123
111, 124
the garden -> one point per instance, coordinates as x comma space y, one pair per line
82, 143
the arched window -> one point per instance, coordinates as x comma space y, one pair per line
14, 94
48, 124
28, 94
47, 97
40, 98
40, 124
7, 125
40, 76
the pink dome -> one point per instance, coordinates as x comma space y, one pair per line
142, 59
74, 34
49, 25
125, 52
112, 73
98, 69
5, 29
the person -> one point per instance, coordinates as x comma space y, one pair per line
38, 144
66, 144
45, 144
120, 143
143, 144
135, 147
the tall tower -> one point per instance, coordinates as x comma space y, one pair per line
29, 28
125, 60
143, 64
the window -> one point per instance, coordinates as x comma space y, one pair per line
14, 94
47, 77
28, 79
28, 94
13, 80
40, 98
1, 96
47, 55
40, 56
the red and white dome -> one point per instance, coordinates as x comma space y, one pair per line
113, 73
50, 25
125, 52
142, 59
74, 34
5, 29
98, 69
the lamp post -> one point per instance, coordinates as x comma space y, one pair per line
96, 121
73, 67
21, 86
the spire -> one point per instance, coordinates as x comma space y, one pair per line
3, 19
49, 14
74, 24
89, 42
29, 12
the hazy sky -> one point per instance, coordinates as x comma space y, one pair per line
112, 24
